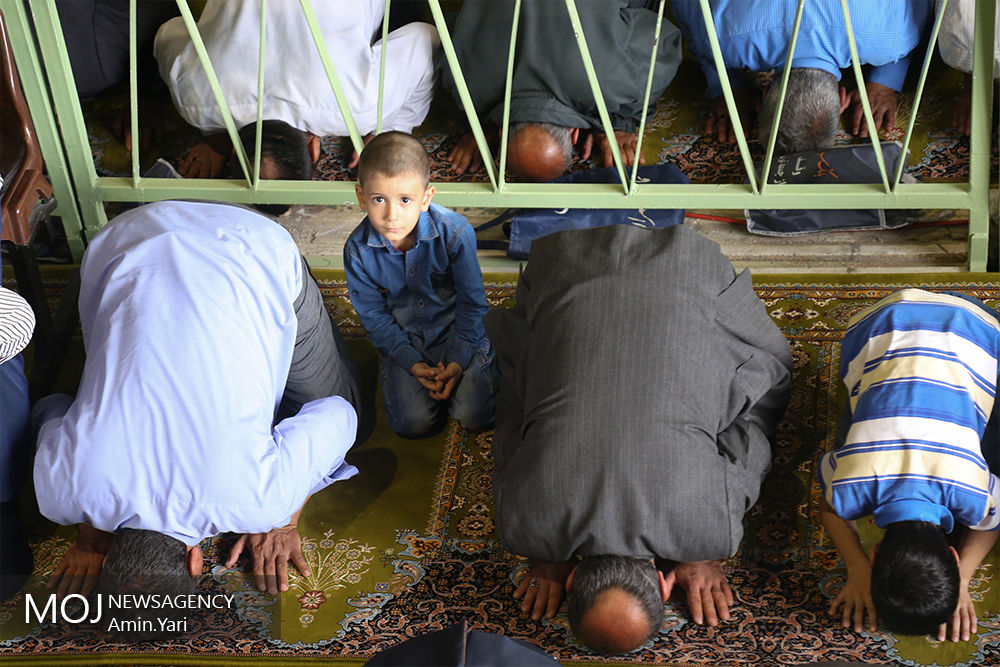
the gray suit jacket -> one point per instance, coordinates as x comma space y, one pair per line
641, 382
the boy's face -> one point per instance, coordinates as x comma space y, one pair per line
394, 205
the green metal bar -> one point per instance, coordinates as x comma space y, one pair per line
39, 104
595, 87
979, 136
773, 137
259, 130
133, 87
381, 65
331, 74
863, 94
546, 195
213, 82
505, 130
463, 92
645, 99
727, 92
919, 94
72, 129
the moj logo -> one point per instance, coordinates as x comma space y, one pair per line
64, 614
168, 611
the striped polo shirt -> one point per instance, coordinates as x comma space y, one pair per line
16, 324
921, 369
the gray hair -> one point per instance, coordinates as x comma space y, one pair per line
144, 562
560, 133
634, 576
810, 115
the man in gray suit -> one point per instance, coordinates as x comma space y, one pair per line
642, 380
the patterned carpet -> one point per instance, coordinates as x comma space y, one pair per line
408, 546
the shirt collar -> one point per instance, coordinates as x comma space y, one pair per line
914, 510
426, 229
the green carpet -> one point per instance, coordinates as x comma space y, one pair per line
408, 546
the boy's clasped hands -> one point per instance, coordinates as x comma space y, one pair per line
439, 380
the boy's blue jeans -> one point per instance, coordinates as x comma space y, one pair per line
412, 413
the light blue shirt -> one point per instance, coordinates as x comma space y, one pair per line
189, 326
755, 34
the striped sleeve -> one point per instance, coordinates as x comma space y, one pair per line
16, 324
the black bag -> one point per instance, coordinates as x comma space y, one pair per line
842, 164
523, 226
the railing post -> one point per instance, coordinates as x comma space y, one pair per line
979, 136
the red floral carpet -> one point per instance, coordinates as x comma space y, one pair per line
409, 545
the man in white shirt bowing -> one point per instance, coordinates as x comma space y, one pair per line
217, 396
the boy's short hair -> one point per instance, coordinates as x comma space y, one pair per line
394, 154
915, 578
284, 155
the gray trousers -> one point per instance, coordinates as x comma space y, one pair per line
321, 363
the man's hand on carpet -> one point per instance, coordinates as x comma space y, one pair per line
466, 155
708, 592
542, 588
963, 622
627, 142
883, 103
81, 566
856, 598
720, 125
271, 552
447, 377
202, 161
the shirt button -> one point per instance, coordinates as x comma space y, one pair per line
420, 303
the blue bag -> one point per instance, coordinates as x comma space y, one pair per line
842, 164
526, 225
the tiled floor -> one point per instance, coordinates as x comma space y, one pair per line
322, 230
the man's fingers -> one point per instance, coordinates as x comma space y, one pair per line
234, 553
300, 563
890, 117
721, 605
588, 146
529, 598
859, 617
872, 617
555, 597
56, 574
89, 583
668, 584
694, 602
846, 615
281, 566
522, 586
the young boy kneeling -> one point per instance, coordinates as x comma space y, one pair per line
415, 283
921, 370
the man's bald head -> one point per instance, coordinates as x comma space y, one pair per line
615, 623
539, 152
614, 603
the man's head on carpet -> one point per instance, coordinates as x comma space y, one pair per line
915, 578
810, 115
144, 562
284, 155
615, 603
539, 152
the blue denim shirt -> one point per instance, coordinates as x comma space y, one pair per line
422, 302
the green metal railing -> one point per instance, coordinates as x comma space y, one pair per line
51, 94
